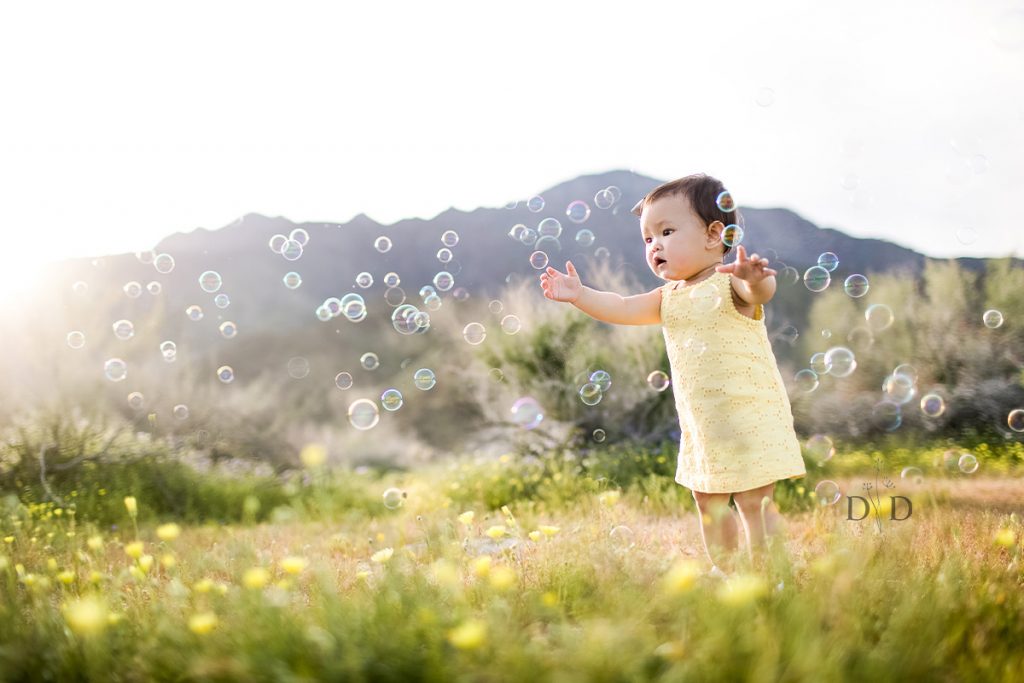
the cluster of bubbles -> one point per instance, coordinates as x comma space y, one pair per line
838, 361
290, 247
162, 263
545, 238
817, 278
133, 289
898, 389
352, 306
594, 388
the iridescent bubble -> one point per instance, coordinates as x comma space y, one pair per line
658, 380
194, 313
879, 316
599, 435
369, 361
168, 348
449, 238
860, 338
180, 411
495, 306
821, 448
819, 364
298, 367
788, 334
535, 203
856, 285
364, 280
422, 320
124, 330
992, 318
898, 389
887, 415
225, 374
549, 245
732, 235
539, 260
622, 537
725, 202
363, 414
968, 463
136, 400
292, 280
584, 237
432, 302
912, 474
828, 261
705, 297
510, 324
277, 243
516, 232
424, 379
578, 211
806, 380
549, 227
382, 244
789, 275
323, 313
393, 498
1015, 420
604, 199
292, 251
444, 281
210, 281
228, 329
115, 369
840, 361
590, 394
76, 339
602, 378
299, 235
527, 413
133, 290
444, 254
907, 370
827, 492
164, 263
154, 288
932, 405
460, 294
391, 399
221, 300
403, 319
826, 334
817, 278
528, 237
343, 381
474, 333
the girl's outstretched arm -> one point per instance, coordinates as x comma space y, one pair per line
754, 280
640, 309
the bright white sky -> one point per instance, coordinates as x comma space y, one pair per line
123, 122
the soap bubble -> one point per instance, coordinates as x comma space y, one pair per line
578, 211
725, 202
817, 278
827, 492
222, 300
474, 333
154, 288
584, 237
277, 243
164, 263
424, 379
124, 330
539, 260
898, 388
292, 280
292, 251
115, 369
550, 227
879, 316
194, 313
136, 400
622, 537
856, 285
369, 361
789, 275
604, 199
449, 238
363, 414
391, 279
527, 413
590, 394
133, 290
968, 463
887, 415
510, 324
364, 280
535, 203
298, 367
732, 235
658, 380
391, 399
299, 235
228, 329
343, 381
806, 380
444, 254
706, 297
821, 448
602, 379
599, 435
444, 281
382, 244
992, 318
225, 374
76, 339
912, 474
393, 498
828, 261
819, 364
210, 281
1015, 420
932, 405
840, 361
180, 411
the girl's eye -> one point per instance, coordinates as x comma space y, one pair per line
666, 231
647, 239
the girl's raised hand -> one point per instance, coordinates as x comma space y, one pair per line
559, 286
753, 270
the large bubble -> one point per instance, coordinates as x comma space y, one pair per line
527, 413
363, 414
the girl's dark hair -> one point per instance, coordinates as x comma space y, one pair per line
702, 191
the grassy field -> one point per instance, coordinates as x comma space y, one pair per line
607, 584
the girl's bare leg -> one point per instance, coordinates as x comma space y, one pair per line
719, 528
762, 522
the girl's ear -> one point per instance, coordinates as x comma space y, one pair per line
714, 233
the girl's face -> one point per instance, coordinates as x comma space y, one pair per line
678, 246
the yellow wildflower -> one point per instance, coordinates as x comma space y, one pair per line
8, 539
382, 555
482, 566
202, 623
502, 577
549, 599
681, 577
742, 589
496, 531
202, 586
146, 563
313, 455
134, 550
293, 565
95, 542
86, 616
168, 532
468, 635
466, 517
549, 530
255, 577
66, 577
1005, 537
534, 535
131, 505
610, 498
167, 560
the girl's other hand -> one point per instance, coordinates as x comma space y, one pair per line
559, 286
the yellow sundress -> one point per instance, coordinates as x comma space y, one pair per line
735, 419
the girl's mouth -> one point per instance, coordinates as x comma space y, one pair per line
659, 261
